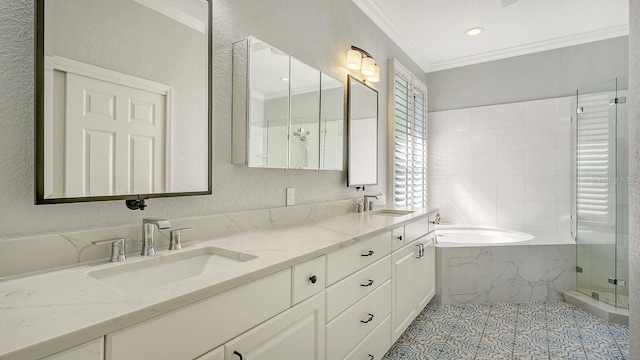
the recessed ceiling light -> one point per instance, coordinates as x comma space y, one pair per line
474, 31
284, 78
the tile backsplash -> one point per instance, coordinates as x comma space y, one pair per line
36, 253
503, 165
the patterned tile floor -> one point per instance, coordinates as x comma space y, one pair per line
540, 330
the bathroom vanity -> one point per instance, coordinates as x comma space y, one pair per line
344, 287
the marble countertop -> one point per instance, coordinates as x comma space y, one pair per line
50, 312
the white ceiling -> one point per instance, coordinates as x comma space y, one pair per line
431, 32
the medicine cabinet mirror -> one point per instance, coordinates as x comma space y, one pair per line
362, 112
123, 99
286, 114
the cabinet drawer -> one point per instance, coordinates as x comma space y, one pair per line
308, 279
397, 238
198, 328
349, 260
375, 344
353, 325
93, 350
346, 292
416, 229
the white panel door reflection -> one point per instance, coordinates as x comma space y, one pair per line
115, 139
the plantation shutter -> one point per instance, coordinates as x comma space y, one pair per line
409, 139
594, 191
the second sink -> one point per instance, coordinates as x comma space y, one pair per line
391, 212
158, 271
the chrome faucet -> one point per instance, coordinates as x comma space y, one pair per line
148, 248
368, 205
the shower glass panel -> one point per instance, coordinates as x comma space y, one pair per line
596, 186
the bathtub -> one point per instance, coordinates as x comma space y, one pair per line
492, 265
448, 235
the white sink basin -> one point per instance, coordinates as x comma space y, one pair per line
391, 212
158, 271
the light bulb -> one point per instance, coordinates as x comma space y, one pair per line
367, 66
353, 59
376, 74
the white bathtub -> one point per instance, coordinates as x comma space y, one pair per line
451, 235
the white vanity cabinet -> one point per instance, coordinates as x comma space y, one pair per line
92, 350
296, 334
426, 271
351, 304
413, 280
193, 330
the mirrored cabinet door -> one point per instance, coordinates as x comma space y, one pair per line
304, 139
331, 123
268, 106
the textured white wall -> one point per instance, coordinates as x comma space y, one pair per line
543, 75
634, 174
316, 32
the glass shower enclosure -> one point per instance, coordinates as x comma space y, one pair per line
600, 193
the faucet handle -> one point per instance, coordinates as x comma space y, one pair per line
175, 242
117, 248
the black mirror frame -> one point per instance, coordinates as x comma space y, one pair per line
39, 124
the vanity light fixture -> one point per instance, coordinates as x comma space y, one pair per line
358, 59
474, 31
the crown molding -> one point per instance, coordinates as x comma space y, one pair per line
552, 44
388, 27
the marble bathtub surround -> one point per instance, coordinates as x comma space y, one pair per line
52, 311
40, 253
510, 274
503, 165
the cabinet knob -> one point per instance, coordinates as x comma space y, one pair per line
399, 238
370, 253
371, 357
369, 283
368, 320
313, 279
238, 355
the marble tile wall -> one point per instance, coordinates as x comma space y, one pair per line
503, 165
512, 274
29, 254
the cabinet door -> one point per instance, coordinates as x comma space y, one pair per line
426, 273
296, 334
403, 279
215, 354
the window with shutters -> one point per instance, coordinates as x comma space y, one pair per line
409, 138
595, 192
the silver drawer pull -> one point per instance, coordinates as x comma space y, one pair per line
368, 320
371, 357
369, 283
370, 253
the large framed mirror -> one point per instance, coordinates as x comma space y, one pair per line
123, 99
362, 112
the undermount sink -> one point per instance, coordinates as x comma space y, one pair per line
162, 270
391, 212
